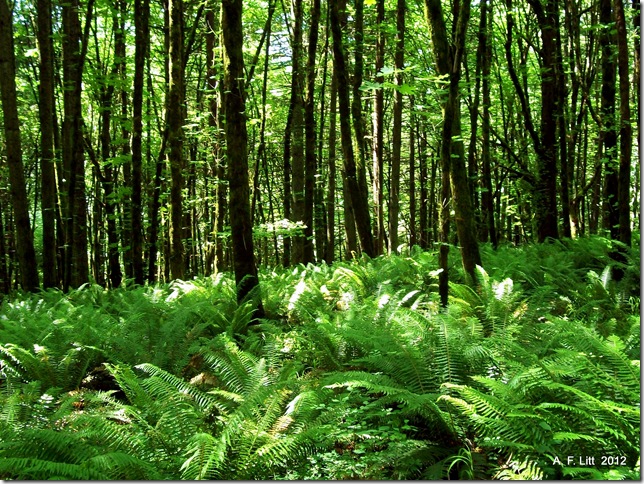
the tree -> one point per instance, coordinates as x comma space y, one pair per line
25, 241
310, 134
448, 57
394, 182
378, 129
237, 155
175, 121
142, 33
625, 130
75, 204
359, 204
46, 111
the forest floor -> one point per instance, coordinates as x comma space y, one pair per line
356, 373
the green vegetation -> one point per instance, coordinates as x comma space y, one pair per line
356, 372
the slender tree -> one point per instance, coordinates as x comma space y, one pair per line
74, 51
237, 154
625, 129
175, 121
25, 241
142, 35
310, 133
608, 131
448, 58
378, 130
359, 203
47, 156
394, 182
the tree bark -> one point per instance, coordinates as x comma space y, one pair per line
378, 130
330, 200
142, 40
394, 182
448, 62
237, 155
24, 237
175, 120
47, 160
608, 130
310, 134
297, 132
77, 265
359, 201
625, 129
488, 225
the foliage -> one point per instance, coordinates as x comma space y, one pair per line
356, 373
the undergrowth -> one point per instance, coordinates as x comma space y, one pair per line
356, 373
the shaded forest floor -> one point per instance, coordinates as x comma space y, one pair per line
356, 373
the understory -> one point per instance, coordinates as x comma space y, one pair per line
355, 373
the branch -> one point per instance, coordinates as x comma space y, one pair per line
525, 108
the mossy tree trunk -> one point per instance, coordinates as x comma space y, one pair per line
24, 236
237, 154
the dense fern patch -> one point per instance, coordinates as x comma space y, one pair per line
356, 373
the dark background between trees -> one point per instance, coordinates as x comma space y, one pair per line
154, 140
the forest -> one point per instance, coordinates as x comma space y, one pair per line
320, 240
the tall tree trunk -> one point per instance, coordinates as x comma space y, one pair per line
109, 179
359, 201
310, 134
424, 196
47, 160
545, 196
297, 132
378, 130
5, 283
561, 115
142, 40
24, 236
175, 120
394, 182
625, 129
448, 61
356, 102
330, 200
215, 88
320, 214
608, 130
413, 235
77, 264
237, 155
487, 198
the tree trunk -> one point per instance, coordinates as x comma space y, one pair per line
487, 198
545, 194
625, 129
47, 160
424, 196
330, 200
310, 132
413, 236
356, 104
297, 132
378, 130
24, 236
448, 62
394, 182
359, 201
175, 120
109, 179
608, 130
77, 265
237, 155
142, 40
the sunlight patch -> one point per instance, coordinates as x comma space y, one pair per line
299, 290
